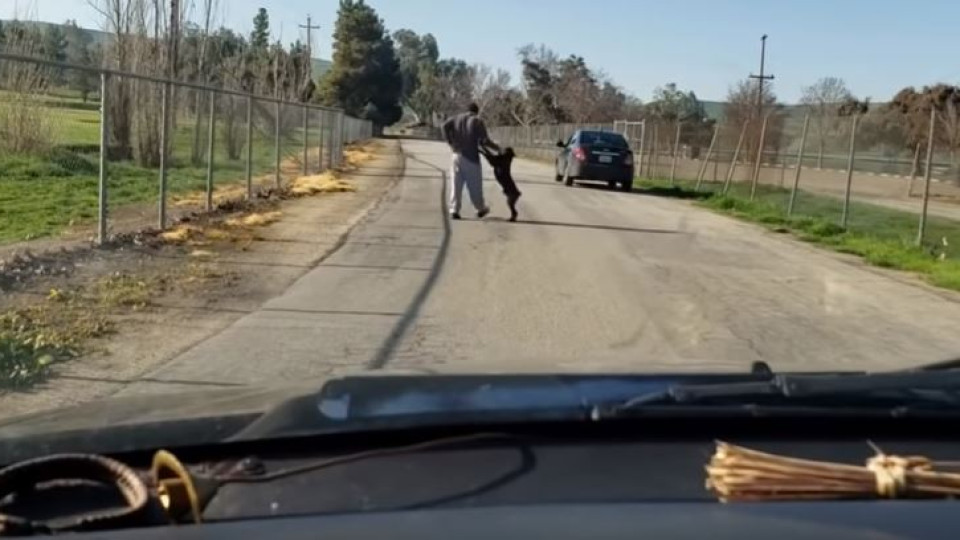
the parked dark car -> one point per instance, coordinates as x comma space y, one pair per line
596, 155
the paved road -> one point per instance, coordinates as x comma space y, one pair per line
591, 280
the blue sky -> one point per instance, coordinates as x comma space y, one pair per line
877, 46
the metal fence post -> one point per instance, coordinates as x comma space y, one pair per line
211, 131
706, 159
796, 176
340, 138
164, 150
676, 155
643, 137
927, 173
913, 170
756, 167
249, 148
655, 149
330, 120
306, 138
736, 156
320, 140
276, 145
104, 148
845, 216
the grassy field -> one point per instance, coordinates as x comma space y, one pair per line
881, 236
44, 195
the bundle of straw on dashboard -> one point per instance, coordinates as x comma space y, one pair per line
737, 474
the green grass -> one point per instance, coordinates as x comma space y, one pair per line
43, 196
74, 126
881, 236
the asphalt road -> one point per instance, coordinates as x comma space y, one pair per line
589, 280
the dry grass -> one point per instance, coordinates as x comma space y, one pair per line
181, 234
230, 192
255, 219
356, 155
327, 182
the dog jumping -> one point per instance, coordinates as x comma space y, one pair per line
501, 164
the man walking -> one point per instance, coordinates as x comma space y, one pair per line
466, 133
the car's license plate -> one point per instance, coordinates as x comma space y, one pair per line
606, 159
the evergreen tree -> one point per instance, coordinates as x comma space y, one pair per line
260, 37
55, 48
365, 78
79, 52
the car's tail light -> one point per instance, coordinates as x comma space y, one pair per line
579, 154
628, 160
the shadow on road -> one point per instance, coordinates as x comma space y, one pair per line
669, 192
586, 226
151, 380
410, 315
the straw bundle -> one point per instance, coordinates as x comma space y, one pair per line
737, 474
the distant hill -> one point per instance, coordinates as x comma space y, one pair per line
97, 36
320, 65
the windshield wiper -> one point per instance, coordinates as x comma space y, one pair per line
906, 388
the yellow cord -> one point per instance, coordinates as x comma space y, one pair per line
175, 486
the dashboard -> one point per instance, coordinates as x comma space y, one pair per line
553, 483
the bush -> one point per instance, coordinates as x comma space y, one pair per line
72, 162
22, 364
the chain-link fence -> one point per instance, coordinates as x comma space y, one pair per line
856, 171
139, 151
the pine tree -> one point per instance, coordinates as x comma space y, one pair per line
365, 78
79, 52
55, 48
260, 37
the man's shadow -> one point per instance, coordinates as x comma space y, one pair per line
539, 223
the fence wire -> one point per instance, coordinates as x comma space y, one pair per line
221, 145
857, 172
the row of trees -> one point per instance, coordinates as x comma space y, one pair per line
59, 43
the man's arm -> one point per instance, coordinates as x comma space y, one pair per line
484, 138
447, 130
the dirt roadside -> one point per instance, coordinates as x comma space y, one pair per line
195, 283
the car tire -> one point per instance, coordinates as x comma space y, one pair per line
611, 184
626, 186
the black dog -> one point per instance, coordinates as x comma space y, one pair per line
501, 171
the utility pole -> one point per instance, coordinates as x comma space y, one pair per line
309, 27
761, 78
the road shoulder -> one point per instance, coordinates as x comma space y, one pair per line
209, 288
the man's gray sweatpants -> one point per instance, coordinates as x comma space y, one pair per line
463, 171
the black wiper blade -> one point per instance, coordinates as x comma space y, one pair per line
945, 365
801, 387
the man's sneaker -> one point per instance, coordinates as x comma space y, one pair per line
483, 213
455, 215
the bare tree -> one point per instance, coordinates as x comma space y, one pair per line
741, 109
202, 77
118, 20
489, 90
822, 99
25, 122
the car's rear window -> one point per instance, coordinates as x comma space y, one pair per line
602, 138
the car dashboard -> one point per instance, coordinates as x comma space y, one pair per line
619, 479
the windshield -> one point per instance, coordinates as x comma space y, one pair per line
207, 207
594, 138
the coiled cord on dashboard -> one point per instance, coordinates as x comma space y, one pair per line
72, 470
